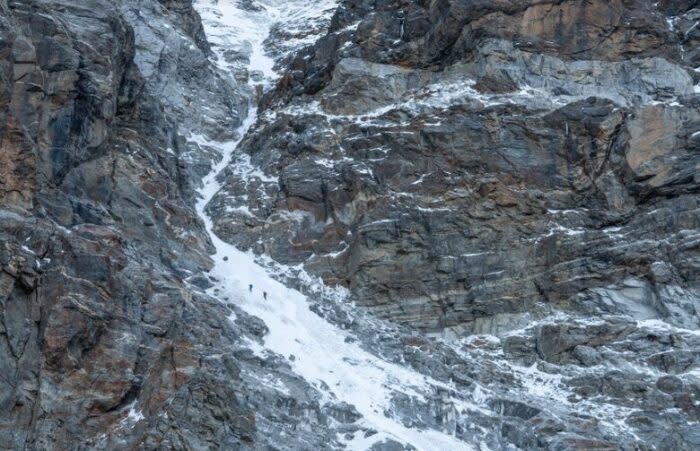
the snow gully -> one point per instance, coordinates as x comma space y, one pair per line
323, 356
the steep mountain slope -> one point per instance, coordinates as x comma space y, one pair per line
475, 224
523, 170
448, 164
99, 329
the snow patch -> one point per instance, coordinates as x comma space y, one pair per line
318, 351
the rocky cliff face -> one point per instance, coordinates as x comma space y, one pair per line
479, 167
450, 162
99, 325
508, 191
97, 233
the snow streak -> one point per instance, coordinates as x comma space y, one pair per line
339, 368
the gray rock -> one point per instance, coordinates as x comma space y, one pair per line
522, 170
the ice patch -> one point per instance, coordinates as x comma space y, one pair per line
133, 416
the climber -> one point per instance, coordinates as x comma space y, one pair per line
265, 295
250, 287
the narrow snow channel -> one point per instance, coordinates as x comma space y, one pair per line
322, 355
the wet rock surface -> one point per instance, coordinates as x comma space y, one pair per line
508, 190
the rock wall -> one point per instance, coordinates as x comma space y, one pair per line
523, 170
99, 327
108, 339
518, 178
455, 162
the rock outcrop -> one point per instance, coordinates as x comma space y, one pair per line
525, 170
107, 337
507, 190
100, 329
451, 163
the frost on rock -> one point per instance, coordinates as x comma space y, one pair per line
317, 350
525, 372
